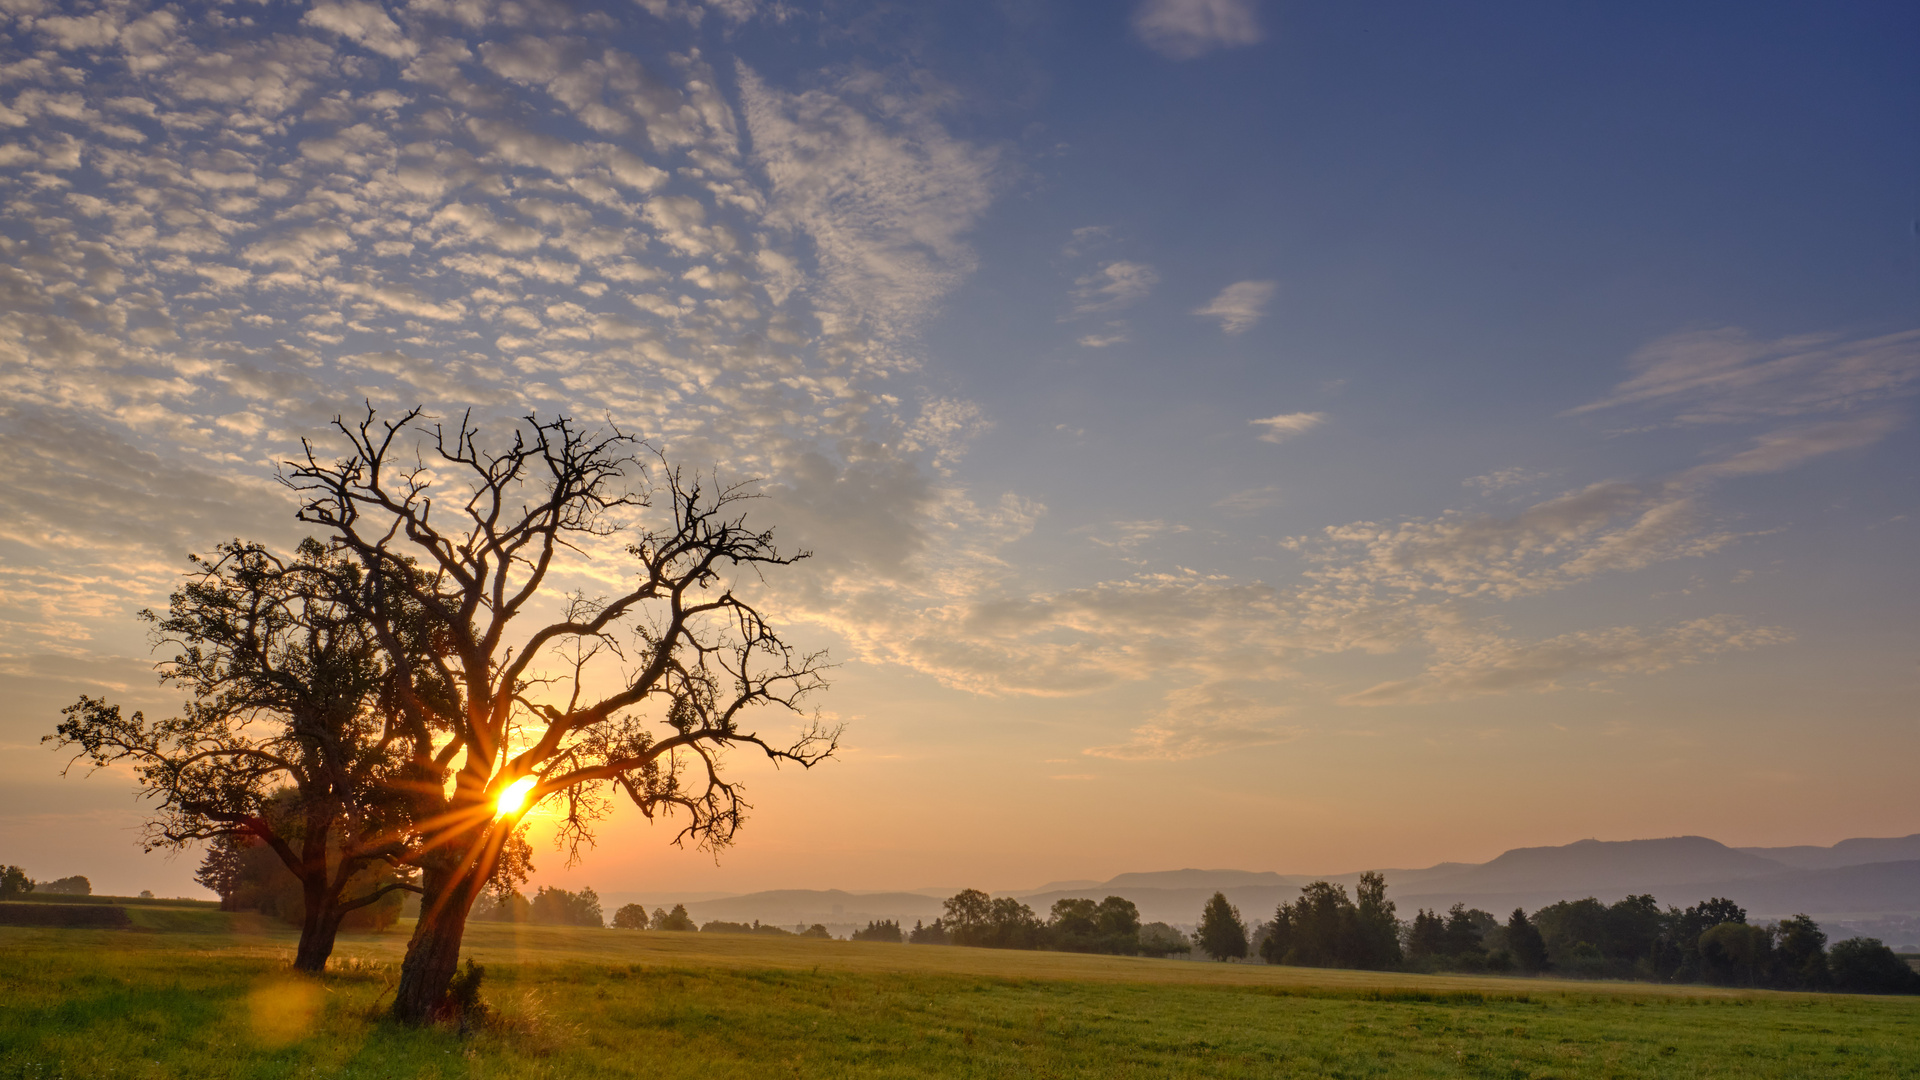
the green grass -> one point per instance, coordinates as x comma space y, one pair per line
604, 1004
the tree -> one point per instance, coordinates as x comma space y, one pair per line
249, 876
77, 885
1319, 929
934, 933
1159, 939
630, 917
14, 883
509, 691
1464, 928
558, 907
1427, 936
1736, 954
1529, 949
1864, 965
287, 738
1080, 925
885, 930
503, 905
969, 917
1222, 934
677, 919
1800, 955
1378, 932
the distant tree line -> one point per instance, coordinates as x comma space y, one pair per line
1324, 926
1633, 938
1074, 924
15, 885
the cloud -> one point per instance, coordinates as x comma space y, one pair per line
884, 193
1606, 527
1116, 285
1240, 305
1250, 500
1286, 425
1184, 29
1100, 339
1725, 375
1479, 664
1777, 451
363, 22
1502, 479
1199, 721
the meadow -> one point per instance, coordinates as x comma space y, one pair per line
195, 993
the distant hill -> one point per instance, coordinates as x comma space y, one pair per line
1587, 865
1200, 879
1845, 853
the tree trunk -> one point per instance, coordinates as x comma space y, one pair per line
318, 927
448, 891
317, 924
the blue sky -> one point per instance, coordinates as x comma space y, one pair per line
1262, 434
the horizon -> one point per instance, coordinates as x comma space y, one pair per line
1227, 433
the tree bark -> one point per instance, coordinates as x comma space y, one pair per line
318, 926
449, 887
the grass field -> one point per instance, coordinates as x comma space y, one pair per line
172, 999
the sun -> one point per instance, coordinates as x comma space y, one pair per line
513, 798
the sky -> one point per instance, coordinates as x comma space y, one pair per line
1270, 435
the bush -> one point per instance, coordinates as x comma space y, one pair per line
463, 996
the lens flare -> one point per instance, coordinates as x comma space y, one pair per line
513, 798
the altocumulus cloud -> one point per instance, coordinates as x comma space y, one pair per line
1184, 29
1240, 305
220, 233
1279, 428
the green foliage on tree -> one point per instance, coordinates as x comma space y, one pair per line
1222, 935
934, 933
630, 917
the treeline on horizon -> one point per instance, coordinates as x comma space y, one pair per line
1633, 938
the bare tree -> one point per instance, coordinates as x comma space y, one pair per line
514, 690
285, 739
